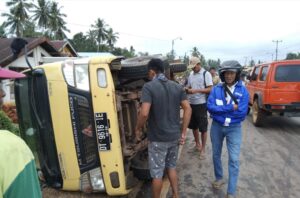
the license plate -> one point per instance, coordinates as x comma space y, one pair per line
102, 126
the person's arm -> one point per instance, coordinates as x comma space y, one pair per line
187, 112
141, 120
242, 107
205, 90
217, 106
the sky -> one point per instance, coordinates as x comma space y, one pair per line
236, 29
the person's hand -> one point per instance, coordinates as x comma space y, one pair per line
138, 135
189, 91
235, 106
182, 139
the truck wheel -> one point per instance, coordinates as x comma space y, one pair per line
136, 68
258, 114
178, 67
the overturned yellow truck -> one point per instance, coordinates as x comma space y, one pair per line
78, 117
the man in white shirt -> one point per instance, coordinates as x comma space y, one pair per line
198, 87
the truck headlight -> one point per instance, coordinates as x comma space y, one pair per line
92, 181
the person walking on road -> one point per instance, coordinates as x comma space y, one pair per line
161, 100
227, 105
198, 87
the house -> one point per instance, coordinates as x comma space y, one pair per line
12, 55
65, 48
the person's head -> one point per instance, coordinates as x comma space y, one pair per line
230, 72
213, 71
155, 66
7, 74
195, 64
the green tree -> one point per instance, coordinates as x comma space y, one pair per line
213, 63
41, 13
111, 37
123, 52
101, 32
14, 24
195, 52
252, 63
291, 56
2, 31
18, 16
30, 30
57, 24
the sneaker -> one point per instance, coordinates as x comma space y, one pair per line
217, 184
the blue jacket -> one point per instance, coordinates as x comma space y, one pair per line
220, 110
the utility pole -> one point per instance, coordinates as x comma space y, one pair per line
276, 51
172, 51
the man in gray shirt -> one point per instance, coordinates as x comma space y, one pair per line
198, 86
161, 101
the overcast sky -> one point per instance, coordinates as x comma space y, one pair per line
219, 29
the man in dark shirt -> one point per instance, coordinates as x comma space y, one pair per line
161, 101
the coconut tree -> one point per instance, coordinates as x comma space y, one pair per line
100, 28
17, 16
41, 13
57, 24
2, 31
111, 37
14, 24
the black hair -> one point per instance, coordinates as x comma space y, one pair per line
156, 65
212, 68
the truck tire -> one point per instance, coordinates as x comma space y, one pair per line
178, 67
258, 114
136, 68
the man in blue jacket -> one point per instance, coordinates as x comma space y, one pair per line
227, 105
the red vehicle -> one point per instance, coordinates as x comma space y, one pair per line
274, 88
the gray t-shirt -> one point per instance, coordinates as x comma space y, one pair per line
164, 117
196, 81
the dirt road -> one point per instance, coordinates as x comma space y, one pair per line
270, 163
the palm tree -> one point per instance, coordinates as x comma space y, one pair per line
18, 15
14, 24
2, 31
100, 28
111, 37
42, 14
57, 24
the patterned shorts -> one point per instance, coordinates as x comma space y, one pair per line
162, 155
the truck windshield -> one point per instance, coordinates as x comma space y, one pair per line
35, 123
290, 73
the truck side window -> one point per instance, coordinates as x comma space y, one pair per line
264, 73
102, 80
255, 74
